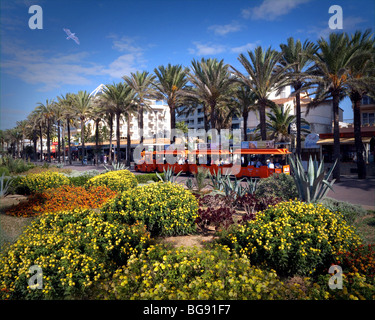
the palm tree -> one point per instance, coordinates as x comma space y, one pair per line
59, 114
362, 72
66, 103
119, 96
244, 100
97, 113
279, 121
46, 112
171, 82
211, 85
296, 59
264, 76
82, 106
141, 84
331, 73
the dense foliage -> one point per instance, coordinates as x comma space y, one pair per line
75, 249
293, 238
165, 208
39, 182
119, 181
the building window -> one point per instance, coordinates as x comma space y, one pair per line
368, 118
367, 100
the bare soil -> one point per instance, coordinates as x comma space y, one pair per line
11, 227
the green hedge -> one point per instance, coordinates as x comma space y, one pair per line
144, 178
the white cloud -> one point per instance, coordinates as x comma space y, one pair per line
213, 49
225, 29
123, 65
206, 49
124, 44
244, 48
51, 71
271, 9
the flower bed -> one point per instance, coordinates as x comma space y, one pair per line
74, 249
62, 198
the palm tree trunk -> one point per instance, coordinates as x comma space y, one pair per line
35, 139
96, 141
262, 118
298, 122
41, 143
48, 142
128, 141
361, 165
206, 123
118, 153
336, 136
83, 153
172, 110
110, 137
59, 141
245, 116
141, 122
69, 150
213, 116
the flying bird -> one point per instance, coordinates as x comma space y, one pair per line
71, 36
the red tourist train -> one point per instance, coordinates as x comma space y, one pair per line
258, 163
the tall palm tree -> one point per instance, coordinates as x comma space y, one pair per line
66, 103
46, 112
362, 71
212, 83
59, 116
171, 82
296, 59
264, 76
330, 72
97, 113
141, 84
244, 100
82, 106
119, 96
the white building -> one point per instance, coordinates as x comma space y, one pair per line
156, 120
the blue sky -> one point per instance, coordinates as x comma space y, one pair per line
118, 37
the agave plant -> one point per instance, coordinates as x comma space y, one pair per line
116, 167
313, 185
218, 180
251, 185
4, 186
234, 187
169, 175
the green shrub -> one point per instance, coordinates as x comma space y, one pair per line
192, 273
75, 250
278, 186
80, 180
120, 180
4, 170
293, 238
348, 210
38, 182
144, 178
165, 208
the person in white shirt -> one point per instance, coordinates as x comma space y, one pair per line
271, 165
